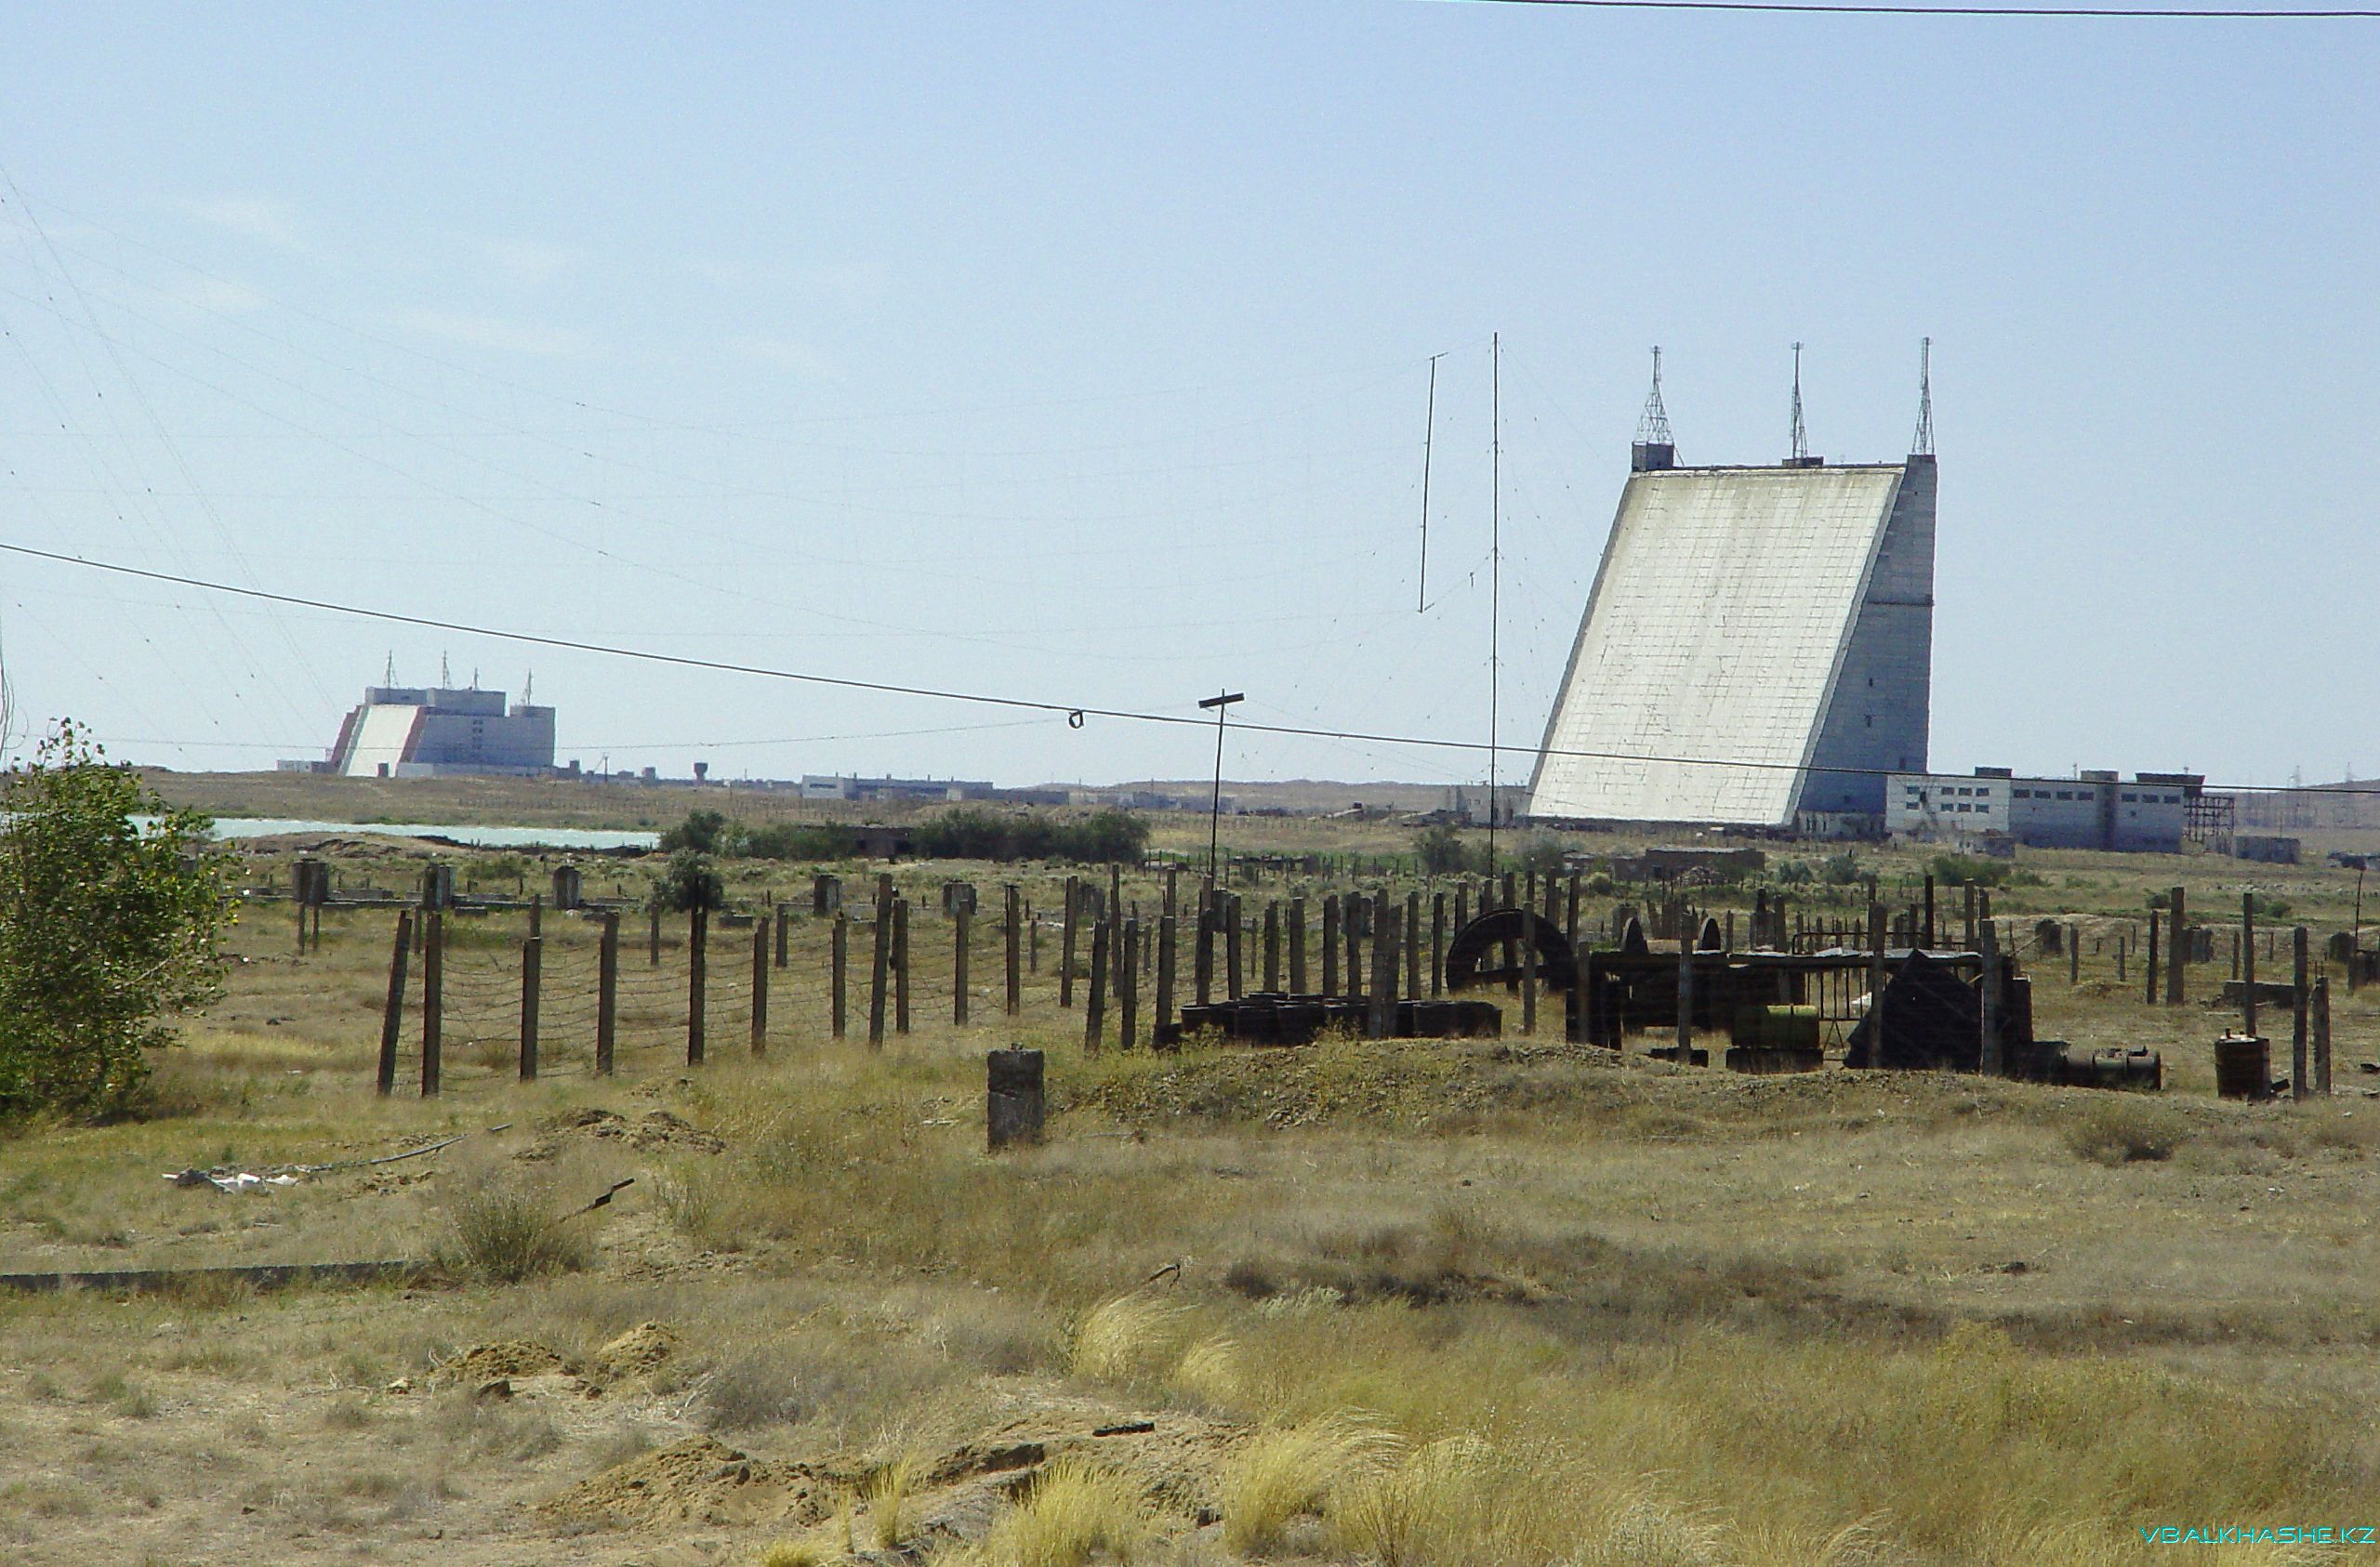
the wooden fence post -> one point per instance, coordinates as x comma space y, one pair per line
1329, 935
1095, 1005
2300, 1078
2177, 951
2073, 954
1685, 998
959, 925
1128, 993
1967, 889
1410, 936
1438, 943
900, 966
1876, 984
1066, 946
652, 937
697, 977
2321, 1008
759, 989
433, 1000
785, 922
839, 975
1202, 956
1380, 1011
1271, 945
1991, 1059
392, 1015
1296, 945
2247, 964
881, 967
1351, 910
1010, 937
1529, 976
1232, 949
2149, 954
532, 952
1168, 940
607, 992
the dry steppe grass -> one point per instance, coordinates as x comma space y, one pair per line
1495, 1302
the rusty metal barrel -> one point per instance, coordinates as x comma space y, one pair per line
2243, 1067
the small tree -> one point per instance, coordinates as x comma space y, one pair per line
702, 831
690, 882
1439, 848
107, 928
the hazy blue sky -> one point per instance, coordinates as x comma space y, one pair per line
1078, 352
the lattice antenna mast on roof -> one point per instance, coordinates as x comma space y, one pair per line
1801, 438
1923, 445
1654, 427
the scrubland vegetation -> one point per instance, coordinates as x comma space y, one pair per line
1426, 1302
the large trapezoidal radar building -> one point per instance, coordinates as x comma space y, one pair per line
417, 731
1758, 646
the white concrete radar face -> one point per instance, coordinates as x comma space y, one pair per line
1750, 629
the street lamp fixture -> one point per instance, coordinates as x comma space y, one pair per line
1222, 704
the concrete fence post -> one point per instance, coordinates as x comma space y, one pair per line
1012, 1097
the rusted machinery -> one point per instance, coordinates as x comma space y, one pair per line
2078, 1066
1933, 1016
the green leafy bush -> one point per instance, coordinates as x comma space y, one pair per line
702, 831
691, 881
795, 840
1440, 851
107, 926
971, 833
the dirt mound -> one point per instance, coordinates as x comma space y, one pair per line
506, 1357
655, 1131
701, 1479
638, 1353
1175, 1457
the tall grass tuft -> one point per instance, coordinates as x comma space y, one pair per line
1127, 1336
1399, 1517
504, 1233
1079, 1512
888, 1501
1280, 1474
1209, 1371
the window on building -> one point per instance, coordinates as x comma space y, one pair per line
2066, 793
2129, 796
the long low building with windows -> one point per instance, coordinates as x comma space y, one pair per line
2095, 810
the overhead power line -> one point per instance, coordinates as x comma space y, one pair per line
1072, 712
1823, 8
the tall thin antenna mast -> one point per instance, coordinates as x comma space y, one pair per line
1495, 567
388, 675
1429, 435
1801, 440
1923, 445
1654, 427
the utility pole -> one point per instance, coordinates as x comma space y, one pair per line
1222, 704
1495, 566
